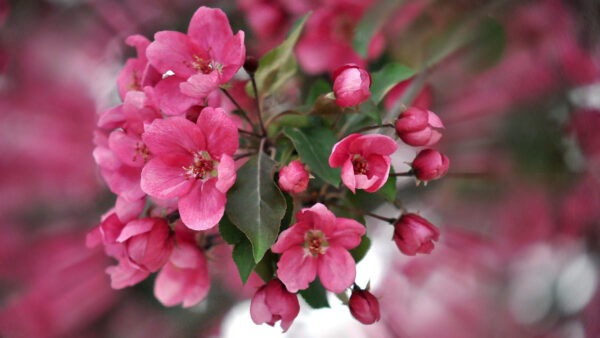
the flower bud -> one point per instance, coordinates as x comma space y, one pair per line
418, 127
148, 242
273, 302
251, 65
413, 234
364, 306
430, 165
293, 178
351, 85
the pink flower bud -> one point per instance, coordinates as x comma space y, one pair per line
419, 127
351, 85
364, 306
413, 234
272, 302
148, 242
430, 165
293, 178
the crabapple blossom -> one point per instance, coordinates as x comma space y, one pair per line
148, 242
413, 234
364, 306
293, 178
137, 72
192, 162
365, 160
318, 244
351, 85
419, 127
201, 60
272, 302
430, 165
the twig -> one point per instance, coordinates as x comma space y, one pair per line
242, 111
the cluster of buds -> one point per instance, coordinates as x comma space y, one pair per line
175, 152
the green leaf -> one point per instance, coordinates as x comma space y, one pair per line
242, 256
255, 205
370, 109
361, 250
266, 267
314, 146
320, 87
370, 23
229, 232
289, 212
488, 45
386, 78
388, 190
279, 64
315, 295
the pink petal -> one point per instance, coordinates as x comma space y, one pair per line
319, 217
337, 269
172, 51
347, 234
176, 136
226, 173
435, 137
259, 312
126, 148
417, 138
340, 152
202, 208
434, 120
130, 78
220, 131
135, 227
290, 237
379, 166
210, 29
373, 144
140, 43
125, 181
128, 210
200, 85
93, 238
186, 256
296, 269
348, 176
231, 56
125, 274
364, 182
111, 118
170, 98
164, 181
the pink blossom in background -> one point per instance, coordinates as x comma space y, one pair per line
293, 178
318, 244
423, 99
272, 302
192, 162
365, 160
351, 85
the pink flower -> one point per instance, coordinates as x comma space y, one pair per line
293, 178
351, 85
418, 127
148, 242
272, 302
413, 234
137, 72
192, 162
364, 306
318, 244
430, 165
364, 159
184, 279
204, 58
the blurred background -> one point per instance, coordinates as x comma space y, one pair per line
519, 211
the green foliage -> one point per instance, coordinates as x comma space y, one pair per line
389, 189
361, 250
320, 87
386, 78
314, 147
315, 295
255, 205
242, 249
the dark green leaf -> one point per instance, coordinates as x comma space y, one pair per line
314, 146
386, 78
255, 205
361, 250
229, 232
289, 212
318, 88
315, 295
388, 190
265, 268
370, 109
370, 23
279, 64
242, 256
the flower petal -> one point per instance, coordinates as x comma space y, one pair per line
348, 176
172, 51
373, 144
164, 181
203, 207
347, 234
336, 269
290, 237
200, 85
340, 152
176, 136
296, 269
220, 131
226, 173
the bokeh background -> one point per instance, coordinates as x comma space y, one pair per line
519, 211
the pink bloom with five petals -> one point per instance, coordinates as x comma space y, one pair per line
192, 162
365, 160
318, 244
201, 60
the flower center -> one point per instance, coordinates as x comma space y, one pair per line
315, 242
201, 65
202, 167
360, 165
142, 151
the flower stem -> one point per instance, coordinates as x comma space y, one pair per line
257, 99
240, 156
241, 110
365, 213
249, 133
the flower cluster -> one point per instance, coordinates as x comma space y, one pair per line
184, 158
